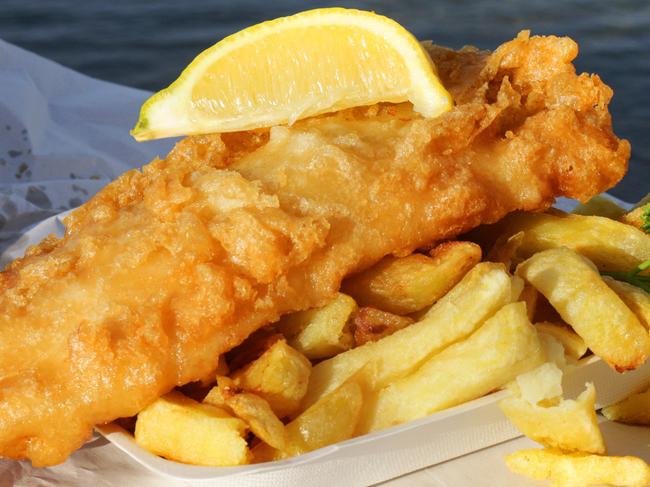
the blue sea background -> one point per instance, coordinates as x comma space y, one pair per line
147, 43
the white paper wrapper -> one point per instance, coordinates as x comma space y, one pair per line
63, 136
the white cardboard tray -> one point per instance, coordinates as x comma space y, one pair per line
395, 451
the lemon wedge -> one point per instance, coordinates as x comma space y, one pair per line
294, 67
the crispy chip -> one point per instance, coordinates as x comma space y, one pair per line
574, 287
579, 469
570, 425
634, 409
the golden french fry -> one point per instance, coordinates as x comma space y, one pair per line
599, 205
372, 324
252, 348
579, 469
637, 216
504, 347
404, 285
574, 346
179, 428
260, 418
570, 425
609, 244
634, 297
280, 376
573, 286
634, 409
254, 410
484, 290
332, 419
321, 332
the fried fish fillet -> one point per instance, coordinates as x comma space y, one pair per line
167, 268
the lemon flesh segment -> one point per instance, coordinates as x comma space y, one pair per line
294, 67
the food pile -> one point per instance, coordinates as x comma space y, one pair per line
319, 258
417, 334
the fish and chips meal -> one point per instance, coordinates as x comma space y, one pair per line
356, 232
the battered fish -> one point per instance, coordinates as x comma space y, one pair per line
167, 268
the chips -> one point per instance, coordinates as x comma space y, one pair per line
332, 419
635, 298
569, 425
609, 244
468, 332
372, 324
485, 289
280, 376
579, 469
504, 347
254, 410
321, 332
573, 286
599, 206
403, 285
634, 409
178, 428
574, 346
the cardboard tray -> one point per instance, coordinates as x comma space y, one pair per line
395, 451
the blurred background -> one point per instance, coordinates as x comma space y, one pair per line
146, 44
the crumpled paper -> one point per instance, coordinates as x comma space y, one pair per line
63, 136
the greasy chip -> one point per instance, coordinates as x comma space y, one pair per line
570, 425
634, 409
504, 347
576, 290
579, 469
403, 285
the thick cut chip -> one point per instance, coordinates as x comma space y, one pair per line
280, 376
570, 425
404, 285
574, 346
504, 347
254, 410
634, 409
483, 291
332, 419
179, 428
253, 347
634, 297
321, 332
572, 284
599, 206
372, 324
609, 244
639, 216
579, 469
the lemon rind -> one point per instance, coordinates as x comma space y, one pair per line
170, 105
